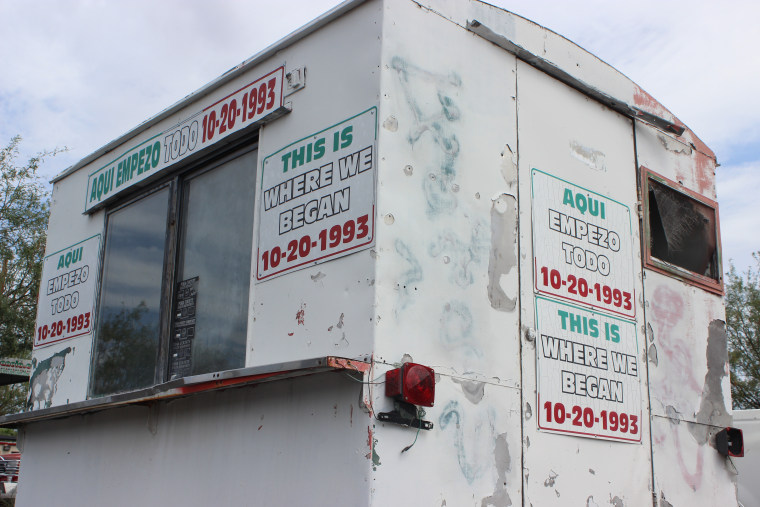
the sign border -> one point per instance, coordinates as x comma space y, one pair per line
316, 261
537, 290
538, 392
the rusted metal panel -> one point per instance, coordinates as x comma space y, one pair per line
678, 159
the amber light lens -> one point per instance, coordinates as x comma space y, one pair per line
418, 384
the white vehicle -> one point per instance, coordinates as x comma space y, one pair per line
525, 239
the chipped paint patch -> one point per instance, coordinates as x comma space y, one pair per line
712, 409
390, 124
652, 350
663, 502
372, 444
342, 342
673, 415
528, 412
319, 276
590, 502
617, 502
509, 166
549, 482
594, 159
503, 257
503, 462
673, 145
472, 389
652, 354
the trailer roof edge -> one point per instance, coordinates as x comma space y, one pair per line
286, 41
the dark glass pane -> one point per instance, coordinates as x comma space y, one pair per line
682, 230
130, 299
217, 229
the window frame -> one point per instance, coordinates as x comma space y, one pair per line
174, 180
661, 266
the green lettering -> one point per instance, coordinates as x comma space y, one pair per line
319, 148
568, 198
133, 165
563, 315
345, 137
298, 157
155, 157
285, 159
141, 161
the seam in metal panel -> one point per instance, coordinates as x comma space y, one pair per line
523, 480
645, 338
547, 67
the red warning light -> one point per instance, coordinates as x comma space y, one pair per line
412, 383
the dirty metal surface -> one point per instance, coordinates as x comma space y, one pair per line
690, 392
447, 257
565, 134
190, 385
301, 441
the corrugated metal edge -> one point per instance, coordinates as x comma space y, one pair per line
231, 74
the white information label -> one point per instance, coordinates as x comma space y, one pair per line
318, 197
588, 373
67, 293
582, 246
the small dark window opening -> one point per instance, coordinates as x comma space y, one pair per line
682, 232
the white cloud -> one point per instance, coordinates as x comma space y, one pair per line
738, 188
80, 73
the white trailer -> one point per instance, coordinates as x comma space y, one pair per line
432, 182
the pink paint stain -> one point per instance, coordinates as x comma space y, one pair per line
668, 312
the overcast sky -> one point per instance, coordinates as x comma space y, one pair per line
79, 73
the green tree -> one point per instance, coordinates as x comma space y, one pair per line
743, 326
23, 227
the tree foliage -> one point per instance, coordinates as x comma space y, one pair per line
743, 326
23, 227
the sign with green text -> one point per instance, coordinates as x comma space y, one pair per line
318, 197
588, 375
582, 246
250, 105
67, 293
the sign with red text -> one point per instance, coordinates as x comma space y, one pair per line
252, 104
582, 246
317, 199
588, 376
67, 293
